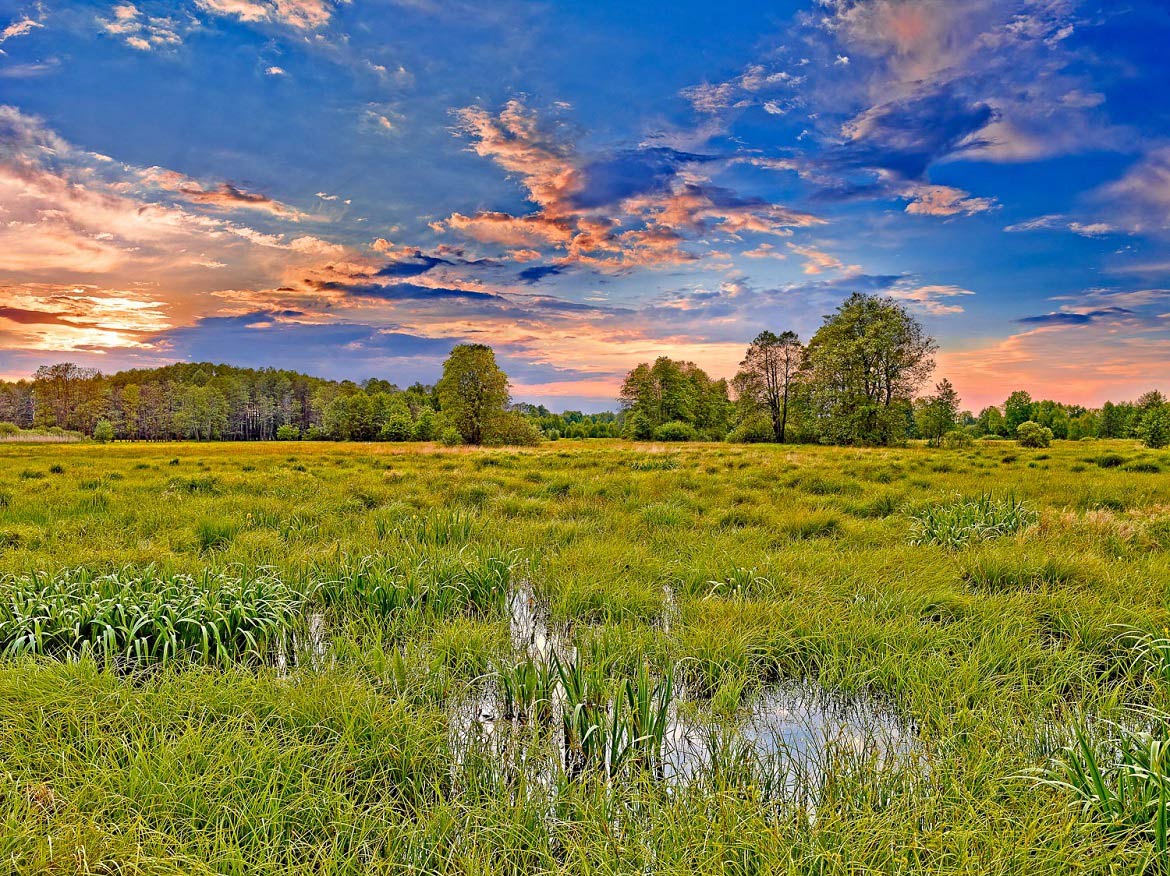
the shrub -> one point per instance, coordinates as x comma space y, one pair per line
214, 534
450, 437
1154, 428
511, 429
1030, 434
398, 427
7, 430
676, 431
970, 520
288, 432
316, 433
425, 427
753, 430
638, 427
956, 439
103, 431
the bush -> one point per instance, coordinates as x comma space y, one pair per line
7, 430
103, 431
1109, 460
398, 427
638, 427
512, 429
288, 432
676, 431
956, 439
316, 433
450, 437
1154, 428
753, 430
1030, 434
425, 428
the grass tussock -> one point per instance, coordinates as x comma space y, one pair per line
966, 521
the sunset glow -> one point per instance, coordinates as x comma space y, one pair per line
349, 189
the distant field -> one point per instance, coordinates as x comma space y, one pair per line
588, 657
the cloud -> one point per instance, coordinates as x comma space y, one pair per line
297, 14
140, 31
932, 299
59, 318
275, 71
1076, 361
1057, 221
1071, 318
19, 28
818, 262
935, 200
223, 196
644, 207
1140, 199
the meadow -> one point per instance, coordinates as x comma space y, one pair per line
584, 657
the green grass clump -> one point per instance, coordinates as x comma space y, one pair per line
1109, 460
1121, 788
146, 617
957, 524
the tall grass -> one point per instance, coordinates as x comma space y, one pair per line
1121, 787
960, 523
475, 581
146, 617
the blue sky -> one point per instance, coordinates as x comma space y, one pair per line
350, 188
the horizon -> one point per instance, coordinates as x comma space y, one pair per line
328, 188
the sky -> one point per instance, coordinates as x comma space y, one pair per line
350, 187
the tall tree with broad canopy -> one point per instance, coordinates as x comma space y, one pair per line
767, 376
675, 392
863, 367
473, 391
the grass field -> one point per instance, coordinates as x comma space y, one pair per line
589, 657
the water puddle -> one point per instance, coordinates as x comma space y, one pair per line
794, 730
791, 734
306, 648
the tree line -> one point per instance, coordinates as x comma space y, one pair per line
858, 381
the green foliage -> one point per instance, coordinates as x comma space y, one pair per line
512, 429
1154, 427
753, 429
638, 426
398, 427
288, 432
766, 383
473, 391
450, 437
676, 431
1030, 434
145, 616
937, 415
863, 367
1122, 788
670, 391
103, 432
411, 719
956, 439
958, 524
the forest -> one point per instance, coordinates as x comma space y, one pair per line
858, 381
